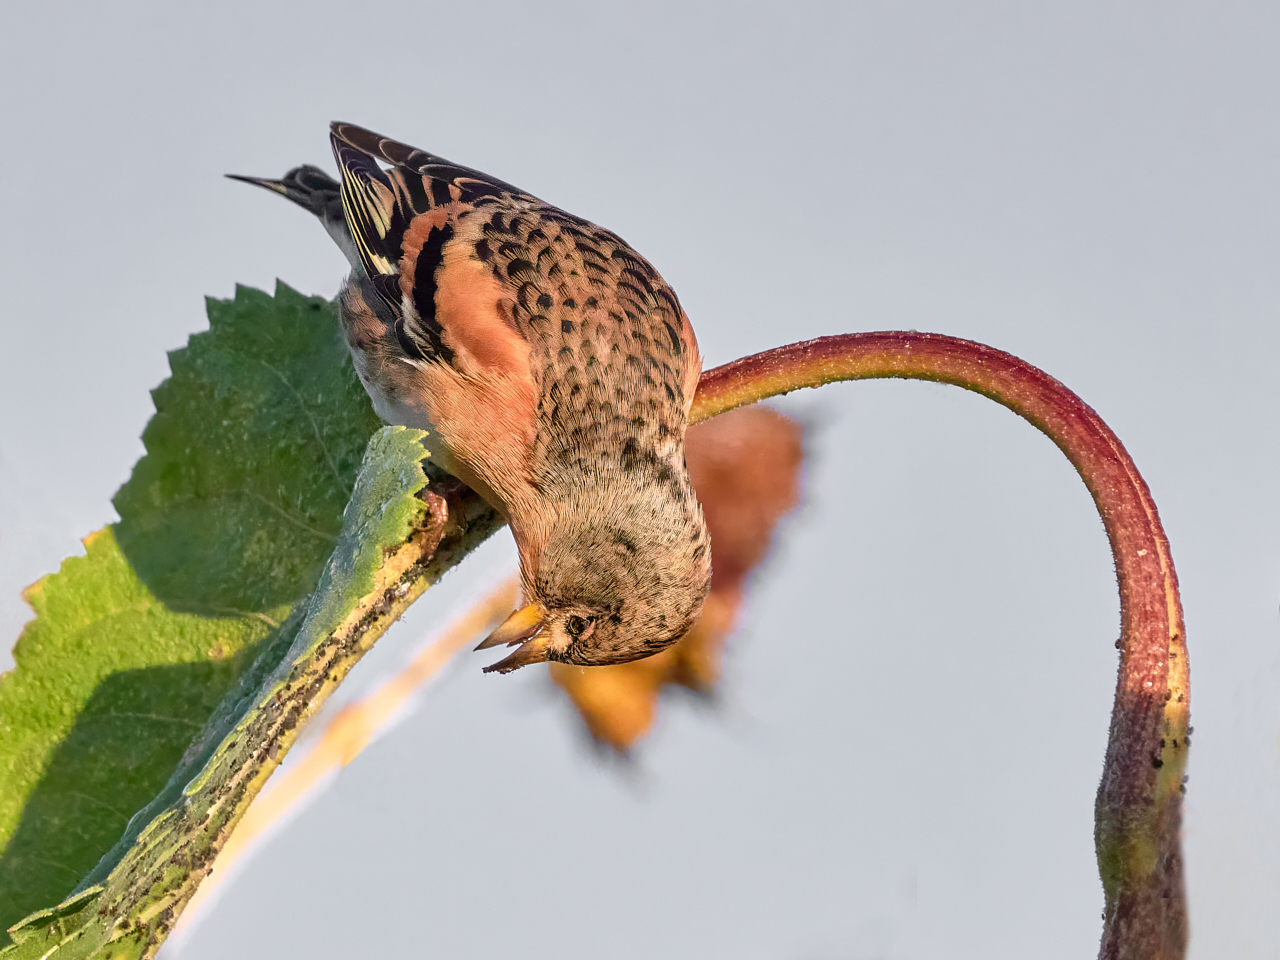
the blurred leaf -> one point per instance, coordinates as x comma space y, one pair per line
745, 466
225, 527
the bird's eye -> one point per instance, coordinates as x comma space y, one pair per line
575, 626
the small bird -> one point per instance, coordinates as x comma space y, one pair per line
553, 370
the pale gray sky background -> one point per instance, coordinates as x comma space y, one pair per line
903, 761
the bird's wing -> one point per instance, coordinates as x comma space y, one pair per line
381, 204
600, 333
402, 207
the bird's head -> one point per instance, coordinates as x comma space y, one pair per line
612, 580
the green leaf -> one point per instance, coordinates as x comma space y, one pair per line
251, 455
225, 528
137, 892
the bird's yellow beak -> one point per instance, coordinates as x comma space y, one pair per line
524, 627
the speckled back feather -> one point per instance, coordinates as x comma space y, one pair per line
612, 354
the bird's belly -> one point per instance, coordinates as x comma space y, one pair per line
404, 409
409, 409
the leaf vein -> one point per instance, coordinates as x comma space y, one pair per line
315, 427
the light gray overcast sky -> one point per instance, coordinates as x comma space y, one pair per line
904, 756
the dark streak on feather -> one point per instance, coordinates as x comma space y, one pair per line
677, 346
424, 283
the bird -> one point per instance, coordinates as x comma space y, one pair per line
552, 369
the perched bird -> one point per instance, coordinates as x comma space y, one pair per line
552, 368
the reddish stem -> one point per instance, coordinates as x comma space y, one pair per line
1139, 803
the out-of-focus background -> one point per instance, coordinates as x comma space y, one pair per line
902, 759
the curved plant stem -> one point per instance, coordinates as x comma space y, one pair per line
1139, 802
